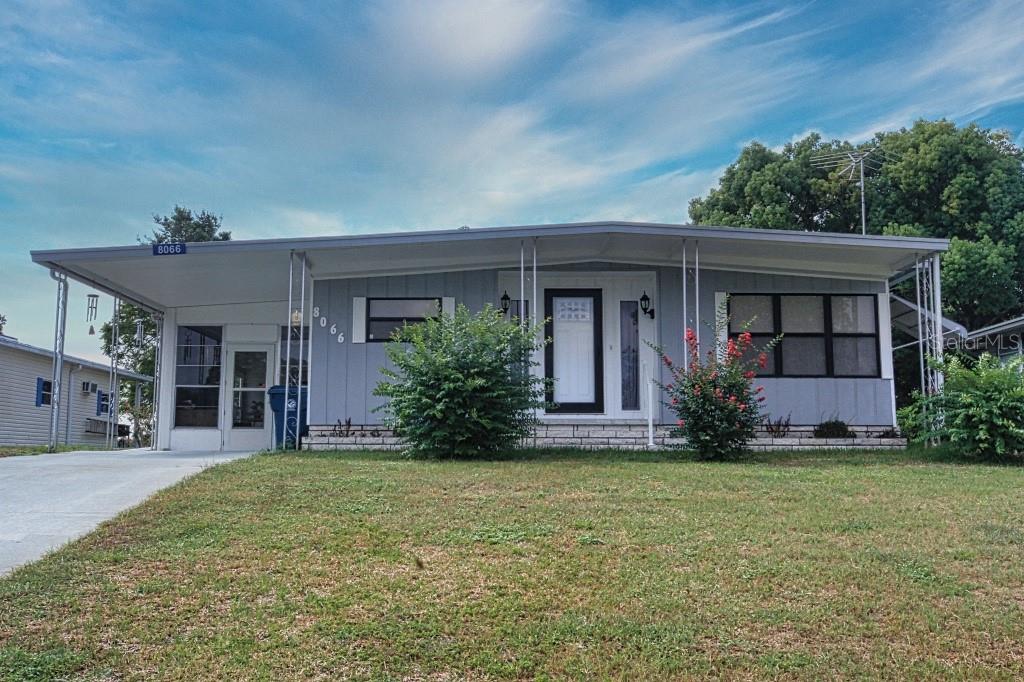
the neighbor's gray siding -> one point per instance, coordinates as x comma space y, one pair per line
345, 374
21, 422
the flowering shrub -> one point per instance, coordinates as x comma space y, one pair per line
715, 401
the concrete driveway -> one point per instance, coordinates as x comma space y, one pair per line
48, 500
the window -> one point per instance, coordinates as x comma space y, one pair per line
514, 308
197, 376
297, 373
759, 312
102, 403
44, 392
629, 353
822, 335
386, 315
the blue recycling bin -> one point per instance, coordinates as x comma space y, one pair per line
277, 406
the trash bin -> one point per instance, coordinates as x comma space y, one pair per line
277, 406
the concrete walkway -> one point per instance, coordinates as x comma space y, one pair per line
48, 500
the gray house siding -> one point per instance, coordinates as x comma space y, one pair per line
24, 423
344, 374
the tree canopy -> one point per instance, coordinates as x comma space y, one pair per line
936, 179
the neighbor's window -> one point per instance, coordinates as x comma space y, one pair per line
385, 315
822, 335
297, 373
197, 376
44, 392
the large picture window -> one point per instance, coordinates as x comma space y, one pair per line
830, 335
386, 315
197, 376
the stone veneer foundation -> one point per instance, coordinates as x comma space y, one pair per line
623, 436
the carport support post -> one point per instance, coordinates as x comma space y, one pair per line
60, 326
302, 345
288, 351
158, 352
937, 319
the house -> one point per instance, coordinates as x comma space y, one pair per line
237, 316
1003, 339
26, 378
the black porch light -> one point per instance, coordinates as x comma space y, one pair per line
505, 303
645, 305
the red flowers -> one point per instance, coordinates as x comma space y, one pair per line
749, 374
762, 360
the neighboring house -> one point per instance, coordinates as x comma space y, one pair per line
609, 289
1004, 339
26, 394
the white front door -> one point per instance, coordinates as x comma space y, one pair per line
574, 357
247, 419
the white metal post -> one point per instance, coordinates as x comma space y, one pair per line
60, 327
686, 313
302, 345
288, 351
533, 300
522, 282
921, 325
863, 215
112, 384
937, 306
696, 294
158, 360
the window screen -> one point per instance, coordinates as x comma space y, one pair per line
197, 376
822, 335
386, 315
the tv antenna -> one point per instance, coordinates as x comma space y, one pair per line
850, 163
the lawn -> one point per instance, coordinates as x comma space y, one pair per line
333, 566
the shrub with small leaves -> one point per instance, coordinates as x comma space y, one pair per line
716, 404
461, 385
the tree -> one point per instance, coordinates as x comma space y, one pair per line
936, 180
136, 348
185, 226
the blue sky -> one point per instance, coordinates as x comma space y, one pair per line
316, 118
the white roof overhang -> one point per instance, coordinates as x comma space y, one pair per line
257, 270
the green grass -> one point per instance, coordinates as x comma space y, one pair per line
20, 450
549, 565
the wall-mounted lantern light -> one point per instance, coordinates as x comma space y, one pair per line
296, 317
505, 303
645, 305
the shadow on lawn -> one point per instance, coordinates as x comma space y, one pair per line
788, 458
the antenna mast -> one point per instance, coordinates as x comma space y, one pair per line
850, 163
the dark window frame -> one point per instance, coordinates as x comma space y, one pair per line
778, 371
45, 392
401, 320
219, 386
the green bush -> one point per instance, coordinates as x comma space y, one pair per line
715, 402
833, 428
461, 385
980, 409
